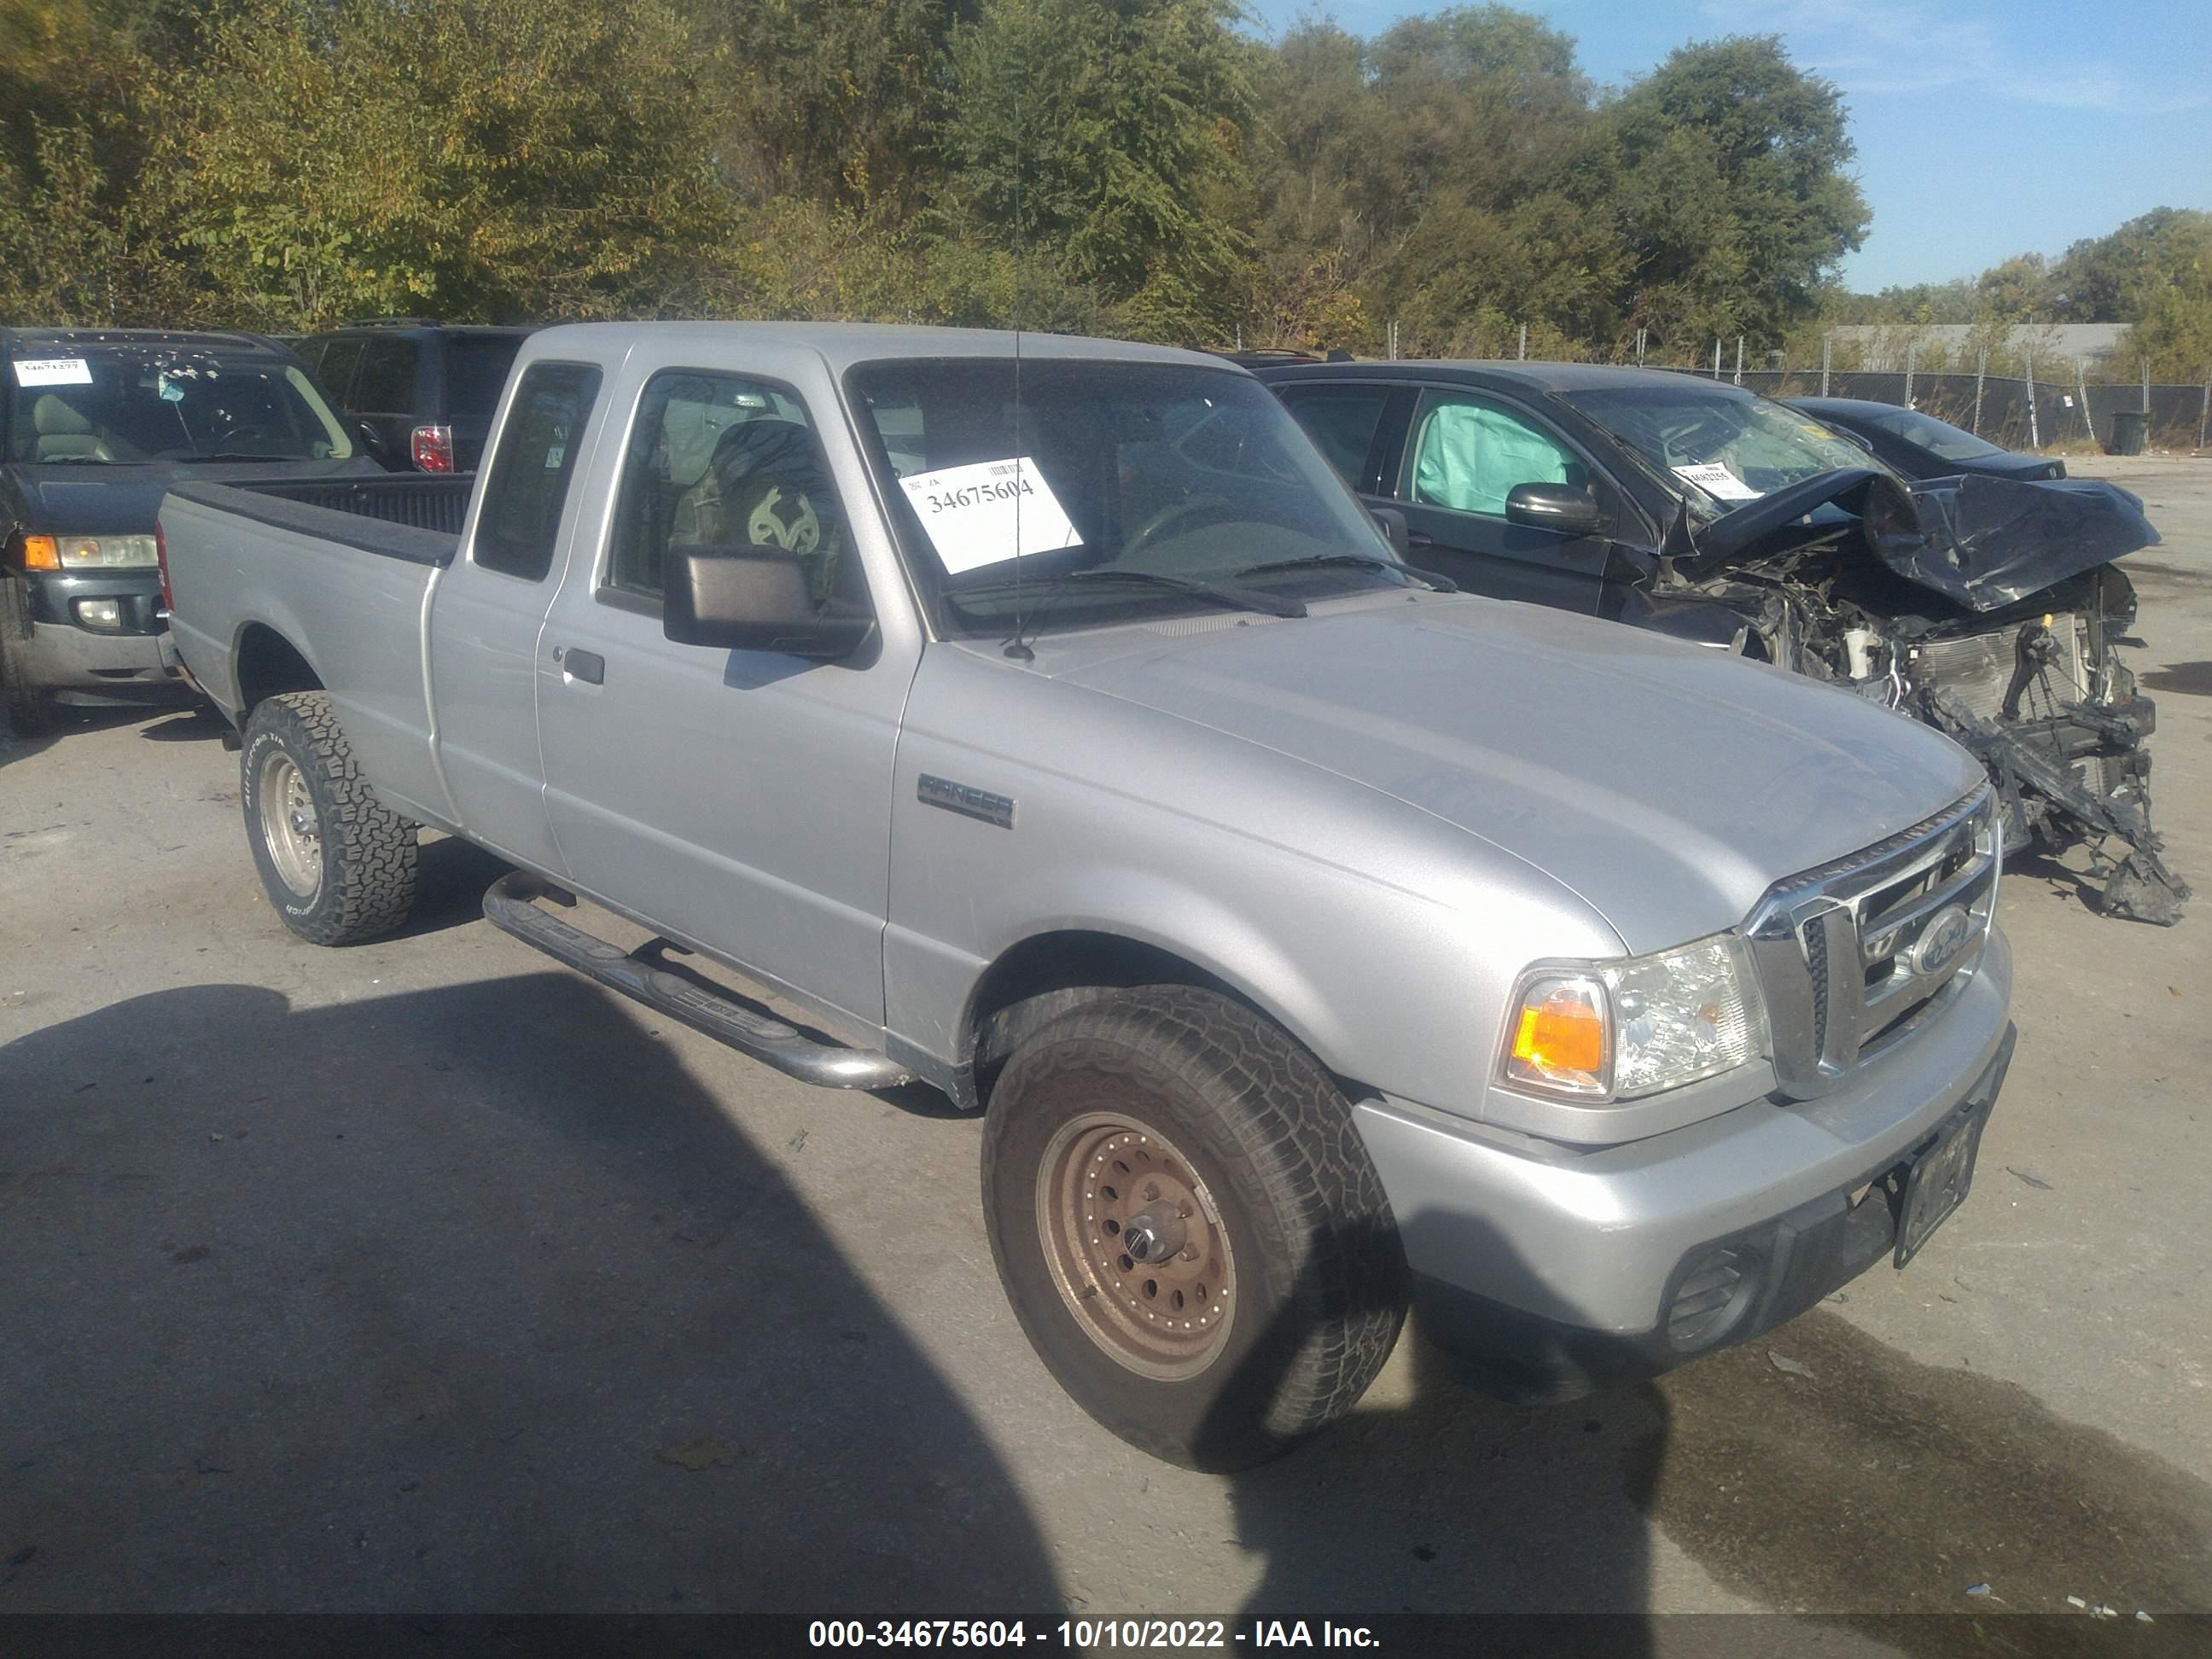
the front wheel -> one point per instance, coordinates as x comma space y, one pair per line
338, 865
1188, 1227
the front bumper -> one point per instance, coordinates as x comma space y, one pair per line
82, 664
1553, 1267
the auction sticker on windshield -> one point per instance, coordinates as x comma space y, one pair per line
1717, 481
53, 371
989, 513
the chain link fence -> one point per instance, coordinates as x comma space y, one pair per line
2008, 411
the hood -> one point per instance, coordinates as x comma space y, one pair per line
1981, 541
126, 501
1670, 785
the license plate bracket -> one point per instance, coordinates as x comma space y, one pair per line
1939, 1180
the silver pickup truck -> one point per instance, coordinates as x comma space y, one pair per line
1042, 719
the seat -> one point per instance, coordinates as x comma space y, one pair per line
764, 487
64, 435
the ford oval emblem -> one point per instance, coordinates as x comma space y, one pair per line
1941, 940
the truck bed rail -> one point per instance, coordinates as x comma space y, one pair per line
415, 518
437, 503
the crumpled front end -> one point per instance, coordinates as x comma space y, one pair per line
1985, 613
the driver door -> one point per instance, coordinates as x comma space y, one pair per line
739, 800
1463, 457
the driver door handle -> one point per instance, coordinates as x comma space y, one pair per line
588, 666
1419, 538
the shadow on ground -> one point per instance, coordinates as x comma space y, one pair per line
469, 1300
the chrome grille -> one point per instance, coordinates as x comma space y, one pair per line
1853, 955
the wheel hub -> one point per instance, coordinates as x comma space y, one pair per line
1136, 1244
291, 828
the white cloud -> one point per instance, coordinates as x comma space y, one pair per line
1882, 47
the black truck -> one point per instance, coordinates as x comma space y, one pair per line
95, 425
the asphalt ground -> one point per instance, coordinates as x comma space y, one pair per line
425, 1276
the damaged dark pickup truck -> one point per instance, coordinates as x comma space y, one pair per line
1989, 608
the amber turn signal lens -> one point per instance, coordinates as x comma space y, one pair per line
41, 553
1561, 1036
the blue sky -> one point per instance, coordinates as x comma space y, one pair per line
1983, 128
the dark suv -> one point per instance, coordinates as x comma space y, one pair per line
420, 392
95, 424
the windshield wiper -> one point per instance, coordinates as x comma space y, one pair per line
1345, 561
1239, 599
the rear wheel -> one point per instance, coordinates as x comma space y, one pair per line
30, 705
1189, 1227
336, 863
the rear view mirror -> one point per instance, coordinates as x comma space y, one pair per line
753, 598
1559, 506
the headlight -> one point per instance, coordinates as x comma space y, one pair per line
107, 552
1595, 1031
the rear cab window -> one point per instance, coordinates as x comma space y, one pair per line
526, 489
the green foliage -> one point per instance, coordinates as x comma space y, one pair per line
499, 159
1130, 167
1734, 189
1097, 133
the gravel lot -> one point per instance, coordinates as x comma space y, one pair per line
423, 1276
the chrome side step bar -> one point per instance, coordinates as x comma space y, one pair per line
510, 906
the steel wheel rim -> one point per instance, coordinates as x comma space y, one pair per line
291, 828
1169, 1318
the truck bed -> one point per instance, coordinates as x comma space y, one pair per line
342, 569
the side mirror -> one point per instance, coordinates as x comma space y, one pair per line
753, 598
1392, 523
1559, 506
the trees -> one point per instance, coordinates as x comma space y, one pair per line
1100, 139
500, 158
1137, 166
1733, 187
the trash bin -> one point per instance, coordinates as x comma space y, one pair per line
2130, 431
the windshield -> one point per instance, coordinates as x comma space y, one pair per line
115, 406
1110, 484
1940, 438
1721, 447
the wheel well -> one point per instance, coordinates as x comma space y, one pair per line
269, 665
1043, 977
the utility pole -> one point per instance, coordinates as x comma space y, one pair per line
2027, 363
2203, 408
1717, 357
1524, 342
2082, 391
1981, 373
1827, 342
1912, 351
1739, 360
1640, 347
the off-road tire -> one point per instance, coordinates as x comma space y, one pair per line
30, 705
366, 865
1319, 1275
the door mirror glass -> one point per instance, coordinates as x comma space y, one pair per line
1563, 508
755, 598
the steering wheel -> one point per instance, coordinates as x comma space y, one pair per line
1172, 515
